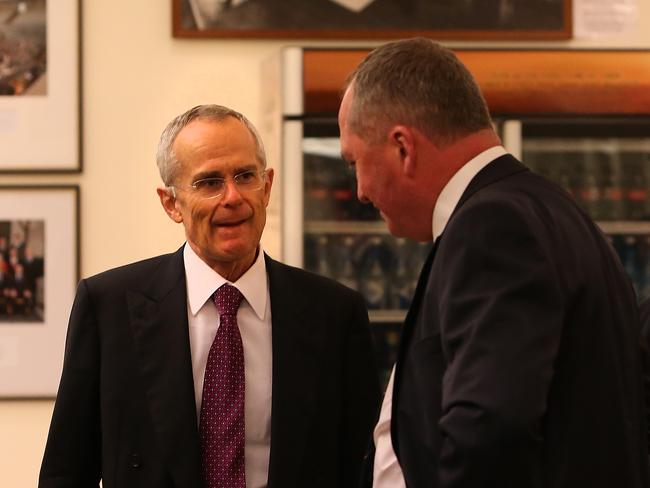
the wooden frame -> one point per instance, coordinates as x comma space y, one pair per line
40, 87
514, 82
32, 332
373, 19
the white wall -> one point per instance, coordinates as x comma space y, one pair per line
136, 78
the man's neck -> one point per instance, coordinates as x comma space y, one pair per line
230, 270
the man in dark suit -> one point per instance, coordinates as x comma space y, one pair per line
519, 364
156, 374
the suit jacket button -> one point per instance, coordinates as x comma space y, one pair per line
135, 460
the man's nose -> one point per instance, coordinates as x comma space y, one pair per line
231, 193
361, 195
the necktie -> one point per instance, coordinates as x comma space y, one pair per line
221, 424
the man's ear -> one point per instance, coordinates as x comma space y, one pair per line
403, 139
168, 201
267, 186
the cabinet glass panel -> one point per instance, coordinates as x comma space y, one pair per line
383, 268
634, 252
349, 242
605, 165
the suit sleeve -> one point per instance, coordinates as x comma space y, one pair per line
501, 314
72, 454
361, 395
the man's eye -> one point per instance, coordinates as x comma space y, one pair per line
246, 177
208, 183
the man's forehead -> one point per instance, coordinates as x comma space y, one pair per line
346, 101
203, 126
207, 136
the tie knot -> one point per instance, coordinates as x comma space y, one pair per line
227, 299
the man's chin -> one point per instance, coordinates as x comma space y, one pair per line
232, 248
233, 255
396, 229
393, 228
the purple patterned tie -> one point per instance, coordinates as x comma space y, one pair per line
222, 408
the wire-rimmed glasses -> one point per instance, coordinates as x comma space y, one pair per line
215, 186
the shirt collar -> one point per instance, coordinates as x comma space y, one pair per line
203, 281
453, 190
354, 5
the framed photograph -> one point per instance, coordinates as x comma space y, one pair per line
40, 116
39, 271
373, 19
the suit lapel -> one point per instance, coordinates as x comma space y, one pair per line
158, 318
407, 332
296, 362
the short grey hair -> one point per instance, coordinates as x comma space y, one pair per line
416, 82
168, 163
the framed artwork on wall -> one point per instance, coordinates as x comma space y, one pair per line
39, 270
40, 89
373, 19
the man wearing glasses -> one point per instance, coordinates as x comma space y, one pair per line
214, 366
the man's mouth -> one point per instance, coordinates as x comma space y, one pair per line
230, 223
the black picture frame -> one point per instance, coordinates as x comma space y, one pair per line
377, 19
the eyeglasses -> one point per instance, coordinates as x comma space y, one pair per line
215, 187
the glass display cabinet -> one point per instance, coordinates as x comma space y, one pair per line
581, 118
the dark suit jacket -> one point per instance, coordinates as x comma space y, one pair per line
644, 315
125, 410
520, 362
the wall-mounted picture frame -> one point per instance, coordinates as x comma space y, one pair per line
40, 86
39, 271
373, 19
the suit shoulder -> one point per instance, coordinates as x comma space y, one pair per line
129, 274
527, 195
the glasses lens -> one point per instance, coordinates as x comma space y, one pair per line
215, 187
249, 180
209, 187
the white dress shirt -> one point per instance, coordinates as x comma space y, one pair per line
254, 321
387, 472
